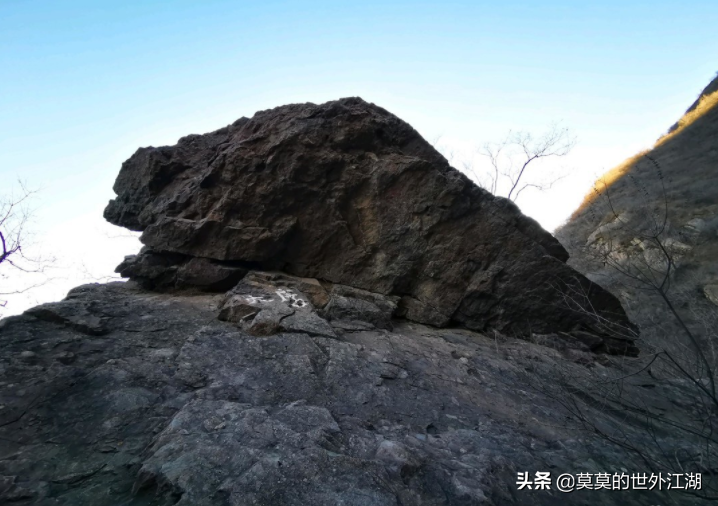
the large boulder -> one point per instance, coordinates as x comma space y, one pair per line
349, 194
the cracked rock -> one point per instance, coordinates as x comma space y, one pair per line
262, 308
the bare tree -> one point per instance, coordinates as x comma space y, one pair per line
15, 213
514, 159
13, 218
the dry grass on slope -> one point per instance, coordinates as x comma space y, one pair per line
703, 105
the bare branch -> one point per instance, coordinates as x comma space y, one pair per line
512, 158
671, 441
14, 217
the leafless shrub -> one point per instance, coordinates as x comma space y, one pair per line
15, 215
512, 160
679, 438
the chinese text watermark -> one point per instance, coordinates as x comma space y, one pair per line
542, 480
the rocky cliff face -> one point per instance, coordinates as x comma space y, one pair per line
676, 182
348, 194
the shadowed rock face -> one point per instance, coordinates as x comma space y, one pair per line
349, 194
119, 396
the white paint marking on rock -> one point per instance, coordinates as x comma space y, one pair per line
292, 298
258, 299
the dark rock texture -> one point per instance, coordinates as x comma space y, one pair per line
171, 270
120, 396
352, 306
349, 194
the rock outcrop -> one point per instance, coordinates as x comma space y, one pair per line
286, 375
349, 195
122, 396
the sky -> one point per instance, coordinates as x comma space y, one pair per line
83, 84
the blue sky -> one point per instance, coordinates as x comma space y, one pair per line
84, 84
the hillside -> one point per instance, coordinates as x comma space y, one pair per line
677, 180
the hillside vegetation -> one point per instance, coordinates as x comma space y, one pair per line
676, 180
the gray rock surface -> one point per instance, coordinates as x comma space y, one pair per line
347, 193
263, 306
171, 405
349, 307
711, 293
